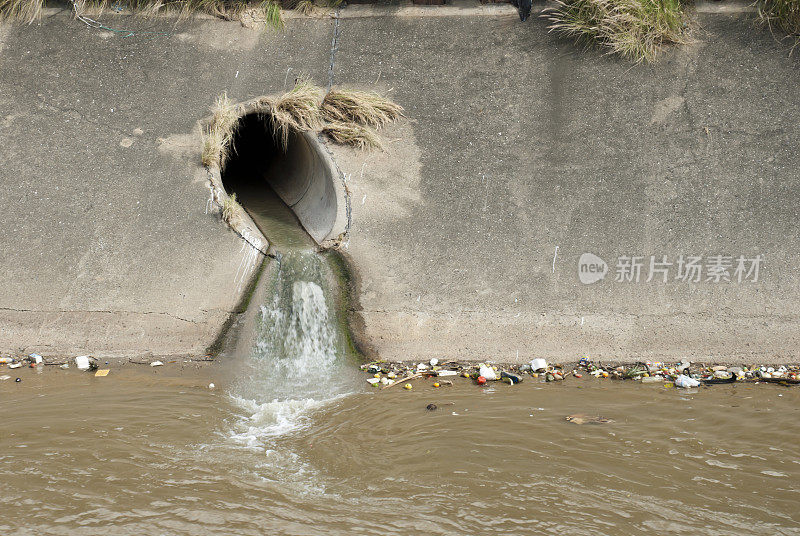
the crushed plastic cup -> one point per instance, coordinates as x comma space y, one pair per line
538, 364
686, 382
488, 372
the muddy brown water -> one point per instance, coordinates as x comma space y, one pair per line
140, 452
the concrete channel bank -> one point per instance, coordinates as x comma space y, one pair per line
520, 154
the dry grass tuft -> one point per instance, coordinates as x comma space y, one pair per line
634, 29
306, 7
231, 209
346, 118
31, 10
785, 14
218, 134
352, 134
224, 113
214, 147
366, 108
297, 110
21, 10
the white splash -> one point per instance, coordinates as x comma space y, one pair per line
294, 366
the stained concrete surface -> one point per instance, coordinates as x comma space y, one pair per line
519, 144
516, 144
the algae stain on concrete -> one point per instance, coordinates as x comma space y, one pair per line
351, 324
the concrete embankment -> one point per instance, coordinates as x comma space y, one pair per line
519, 155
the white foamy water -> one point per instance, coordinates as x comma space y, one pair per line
294, 366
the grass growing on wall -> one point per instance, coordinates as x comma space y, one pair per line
352, 134
347, 117
21, 10
273, 15
219, 132
782, 14
296, 110
634, 29
270, 11
231, 209
363, 107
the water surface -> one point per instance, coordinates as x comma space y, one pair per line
144, 454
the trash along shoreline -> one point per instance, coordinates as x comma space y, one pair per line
18, 369
681, 375
404, 374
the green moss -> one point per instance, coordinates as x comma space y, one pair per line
219, 342
344, 303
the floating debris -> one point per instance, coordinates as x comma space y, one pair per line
581, 418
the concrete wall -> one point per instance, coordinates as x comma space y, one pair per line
522, 153
516, 144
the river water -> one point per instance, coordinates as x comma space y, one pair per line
292, 441
150, 453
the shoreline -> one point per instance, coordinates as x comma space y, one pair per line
682, 374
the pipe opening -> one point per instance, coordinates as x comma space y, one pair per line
281, 187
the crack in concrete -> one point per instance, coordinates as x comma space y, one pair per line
79, 115
67, 311
789, 318
334, 47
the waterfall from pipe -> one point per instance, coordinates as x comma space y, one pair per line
297, 362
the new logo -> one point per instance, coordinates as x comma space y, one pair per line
591, 268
